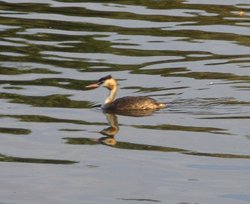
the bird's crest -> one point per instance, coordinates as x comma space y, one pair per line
101, 80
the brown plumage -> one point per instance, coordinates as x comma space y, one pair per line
135, 103
127, 103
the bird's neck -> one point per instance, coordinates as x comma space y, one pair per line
111, 97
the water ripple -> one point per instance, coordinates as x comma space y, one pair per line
192, 55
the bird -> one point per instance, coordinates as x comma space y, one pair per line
127, 103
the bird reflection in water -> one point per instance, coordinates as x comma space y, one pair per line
112, 130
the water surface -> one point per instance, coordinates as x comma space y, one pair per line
57, 146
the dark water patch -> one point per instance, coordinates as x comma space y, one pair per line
213, 75
170, 127
4, 158
236, 102
120, 145
140, 200
71, 130
46, 101
227, 118
55, 82
46, 119
230, 60
15, 131
187, 203
145, 147
146, 90
162, 72
80, 141
218, 155
13, 87
243, 88
111, 141
16, 71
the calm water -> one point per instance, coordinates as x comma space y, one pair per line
57, 146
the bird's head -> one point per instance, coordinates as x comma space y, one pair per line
107, 81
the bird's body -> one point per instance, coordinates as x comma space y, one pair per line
127, 103
134, 103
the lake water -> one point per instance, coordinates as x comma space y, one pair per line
57, 146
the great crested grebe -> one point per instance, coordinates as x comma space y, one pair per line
127, 103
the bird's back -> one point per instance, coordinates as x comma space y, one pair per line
135, 103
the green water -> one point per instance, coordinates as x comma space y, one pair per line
57, 145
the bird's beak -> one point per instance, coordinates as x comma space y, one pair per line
92, 86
